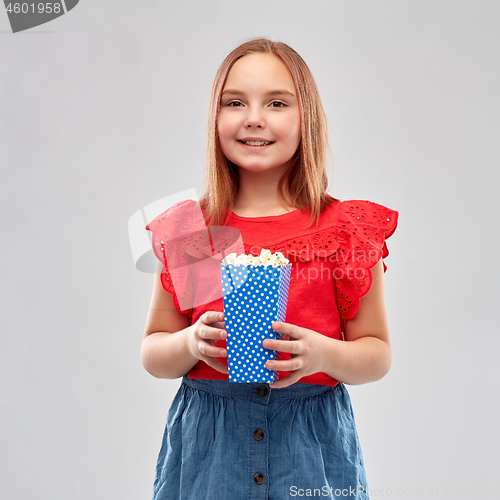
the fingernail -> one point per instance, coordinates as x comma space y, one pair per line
221, 315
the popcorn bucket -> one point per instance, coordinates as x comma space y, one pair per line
254, 297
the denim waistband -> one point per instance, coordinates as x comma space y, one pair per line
257, 391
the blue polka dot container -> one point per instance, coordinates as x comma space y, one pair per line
254, 297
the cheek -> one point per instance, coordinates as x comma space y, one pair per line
226, 126
226, 136
290, 129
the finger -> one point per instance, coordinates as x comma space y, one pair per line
207, 332
293, 347
218, 324
287, 329
284, 365
285, 382
215, 364
211, 317
206, 349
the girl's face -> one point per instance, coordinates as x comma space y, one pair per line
258, 104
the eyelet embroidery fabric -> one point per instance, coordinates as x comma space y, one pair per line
362, 228
168, 227
356, 243
181, 234
305, 248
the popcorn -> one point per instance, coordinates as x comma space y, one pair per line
266, 258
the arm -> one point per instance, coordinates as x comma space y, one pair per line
171, 347
364, 357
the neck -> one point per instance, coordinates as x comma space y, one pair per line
258, 194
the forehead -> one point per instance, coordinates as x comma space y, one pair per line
261, 70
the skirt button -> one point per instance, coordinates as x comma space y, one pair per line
262, 391
258, 434
258, 478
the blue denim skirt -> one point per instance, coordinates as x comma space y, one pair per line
226, 441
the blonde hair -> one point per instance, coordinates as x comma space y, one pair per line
306, 178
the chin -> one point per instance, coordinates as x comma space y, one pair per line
258, 168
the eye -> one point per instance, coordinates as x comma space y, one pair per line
280, 104
234, 103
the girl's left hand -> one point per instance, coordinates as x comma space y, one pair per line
307, 349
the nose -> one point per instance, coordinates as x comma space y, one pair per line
254, 118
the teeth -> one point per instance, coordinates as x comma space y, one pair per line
256, 143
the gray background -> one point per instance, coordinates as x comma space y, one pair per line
103, 111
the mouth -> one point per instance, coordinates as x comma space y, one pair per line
256, 144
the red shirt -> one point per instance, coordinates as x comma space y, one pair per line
331, 265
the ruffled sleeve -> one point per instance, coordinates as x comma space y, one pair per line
191, 254
174, 234
362, 230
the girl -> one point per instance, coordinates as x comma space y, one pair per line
266, 177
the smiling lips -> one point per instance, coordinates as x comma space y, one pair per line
255, 142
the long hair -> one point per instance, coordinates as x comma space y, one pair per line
306, 178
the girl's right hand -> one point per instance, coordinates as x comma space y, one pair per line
204, 334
